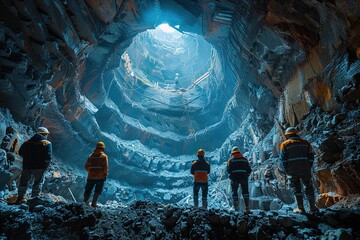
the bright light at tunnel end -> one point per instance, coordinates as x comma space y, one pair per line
166, 28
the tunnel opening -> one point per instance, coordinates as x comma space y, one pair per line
170, 93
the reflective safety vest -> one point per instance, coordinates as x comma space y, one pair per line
238, 167
200, 169
296, 156
97, 165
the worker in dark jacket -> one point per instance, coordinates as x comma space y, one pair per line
296, 158
239, 170
37, 154
200, 169
97, 167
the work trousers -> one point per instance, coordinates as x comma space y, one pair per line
295, 185
38, 175
204, 190
244, 189
91, 183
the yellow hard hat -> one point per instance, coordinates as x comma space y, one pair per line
235, 150
100, 145
201, 152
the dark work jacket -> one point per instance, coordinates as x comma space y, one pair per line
238, 167
36, 152
296, 156
200, 169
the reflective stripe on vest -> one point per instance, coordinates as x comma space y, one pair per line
296, 159
239, 160
296, 145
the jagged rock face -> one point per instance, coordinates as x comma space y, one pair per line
63, 65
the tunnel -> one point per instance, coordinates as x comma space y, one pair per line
157, 80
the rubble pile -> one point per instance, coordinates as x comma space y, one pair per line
46, 219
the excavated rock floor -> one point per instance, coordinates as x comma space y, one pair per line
42, 218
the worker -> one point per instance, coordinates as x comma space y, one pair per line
5, 175
200, 169
177, 81
97, 167
296, 159
10, 144
37, 154
239, 170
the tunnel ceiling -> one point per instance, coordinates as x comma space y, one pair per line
95, 70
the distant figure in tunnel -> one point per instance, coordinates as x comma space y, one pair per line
177, 81
97, 167
296, 158
200, 169
239, 171
37, 154
10, 143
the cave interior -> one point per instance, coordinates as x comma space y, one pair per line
156, 80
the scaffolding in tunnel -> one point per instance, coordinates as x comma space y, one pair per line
165, 87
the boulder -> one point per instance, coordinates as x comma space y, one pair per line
332, 149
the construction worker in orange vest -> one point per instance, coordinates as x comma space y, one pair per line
239, 169
200, 169
97, 168
296, 159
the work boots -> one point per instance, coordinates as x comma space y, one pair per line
312, 205
196, 202
300, 204
247, 210
86, 199
94, 201
204, 203
20, 200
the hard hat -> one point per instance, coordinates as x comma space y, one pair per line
43, 130
291, 131
100, 145
177, 74
235, 150
201, 152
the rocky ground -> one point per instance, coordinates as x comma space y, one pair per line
47, 219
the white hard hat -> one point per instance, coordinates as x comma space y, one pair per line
42, 130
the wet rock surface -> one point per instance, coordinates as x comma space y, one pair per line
148, 220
